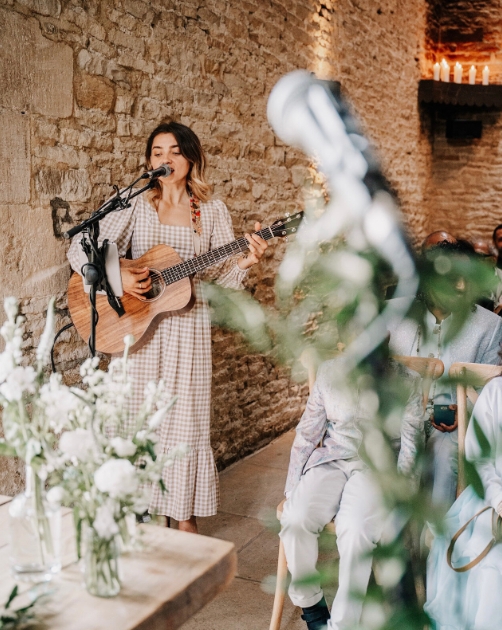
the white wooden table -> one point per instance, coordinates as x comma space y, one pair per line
173, 577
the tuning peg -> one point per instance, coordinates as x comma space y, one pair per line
293, 229
288, 214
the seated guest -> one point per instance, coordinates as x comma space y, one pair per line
332, 480
485, 253
445, 323
440, 236
497, 243
471, 599
434, 238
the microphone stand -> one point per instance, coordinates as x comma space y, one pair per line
94, 271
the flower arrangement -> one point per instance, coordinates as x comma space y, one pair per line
27, 422
108, 461
96, 455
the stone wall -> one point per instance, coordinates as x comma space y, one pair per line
378, 45
82, 83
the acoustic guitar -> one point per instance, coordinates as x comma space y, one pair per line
171, 292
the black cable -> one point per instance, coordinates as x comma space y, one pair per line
54, 343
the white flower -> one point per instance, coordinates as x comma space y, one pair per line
89, 366
78, 443
55, 495
123, 448
59, 402
141, 502
129, 341
157, 418
10, 305
33, 448
104, 523
21, 379
44, 347
7, 364
116, 477
141, 436
180, 450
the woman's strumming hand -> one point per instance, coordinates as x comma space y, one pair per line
135, 280
257, 247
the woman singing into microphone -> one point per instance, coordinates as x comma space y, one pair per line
178, 212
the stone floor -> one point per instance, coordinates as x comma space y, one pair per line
250, 492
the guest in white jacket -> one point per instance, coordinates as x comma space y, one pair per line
472, 600
332, 480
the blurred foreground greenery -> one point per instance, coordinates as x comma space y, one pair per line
327, 293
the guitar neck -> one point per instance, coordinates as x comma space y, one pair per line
193, 265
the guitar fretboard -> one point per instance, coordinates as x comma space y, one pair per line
193, 265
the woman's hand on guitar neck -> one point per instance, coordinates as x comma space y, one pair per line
135, 280
257, 247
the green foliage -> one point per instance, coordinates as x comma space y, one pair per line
23, 617
484, 444
473, 478
328, 292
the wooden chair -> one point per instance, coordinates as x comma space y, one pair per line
468, 376
429, 369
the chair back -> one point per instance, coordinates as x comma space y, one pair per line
468, 376
428, 368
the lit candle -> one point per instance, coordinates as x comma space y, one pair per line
445, 72
457, 73
486, 75
472, 75
436, 71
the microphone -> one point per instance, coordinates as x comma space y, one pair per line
162, 171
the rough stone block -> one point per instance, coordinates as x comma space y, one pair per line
44, 7
14, 158
94, 93
70, 185
35, 73
31, 260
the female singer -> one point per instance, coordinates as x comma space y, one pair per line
178, 212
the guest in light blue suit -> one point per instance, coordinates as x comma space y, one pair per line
472, 600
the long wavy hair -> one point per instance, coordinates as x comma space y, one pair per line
191, 149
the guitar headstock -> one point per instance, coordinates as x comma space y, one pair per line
288, 225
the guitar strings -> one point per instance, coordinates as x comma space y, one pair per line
176, 272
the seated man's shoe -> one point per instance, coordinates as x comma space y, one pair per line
316, 616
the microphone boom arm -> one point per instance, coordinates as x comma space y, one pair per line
115, 203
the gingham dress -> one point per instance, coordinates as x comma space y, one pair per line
179, 352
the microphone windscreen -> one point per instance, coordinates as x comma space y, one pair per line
287, 96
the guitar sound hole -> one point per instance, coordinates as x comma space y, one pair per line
158, 286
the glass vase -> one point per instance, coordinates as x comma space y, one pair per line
101, 564
128, 534
35, 533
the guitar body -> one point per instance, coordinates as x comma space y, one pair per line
140, 318
171, 292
